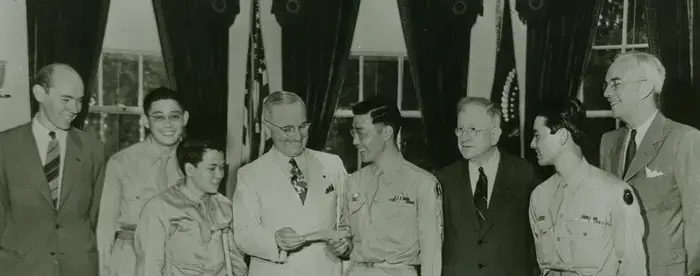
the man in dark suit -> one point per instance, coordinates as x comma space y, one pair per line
485, 200
51, 178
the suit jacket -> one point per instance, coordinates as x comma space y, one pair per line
34, 237
265, 201
504, 245
665, 172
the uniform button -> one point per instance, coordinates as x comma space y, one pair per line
53, 253
585, 234
480, 266
480, 242
558, 239
58, 226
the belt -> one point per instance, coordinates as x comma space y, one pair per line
126, 233
385, 265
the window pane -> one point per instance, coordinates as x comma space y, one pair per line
381, 76
351, 86
339, 142
120, 79
116, 131
414, 144
154, 73
596, 127
594, 79
636, 25
410, 98
610, 23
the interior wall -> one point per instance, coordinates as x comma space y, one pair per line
14, 111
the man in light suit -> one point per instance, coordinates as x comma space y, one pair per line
51, 178
285, 194
486, 198
660, 158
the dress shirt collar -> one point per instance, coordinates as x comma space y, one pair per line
643, 128
154, 150
578, 175
491, 163
41, 132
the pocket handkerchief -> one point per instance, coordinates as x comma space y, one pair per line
652, 173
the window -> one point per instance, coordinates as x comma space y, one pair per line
369, 75
123, 79
621, 28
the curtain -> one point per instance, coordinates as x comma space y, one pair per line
696, 45
69, 32
194, 38
316, 40
669, 39
437, 34
559, 39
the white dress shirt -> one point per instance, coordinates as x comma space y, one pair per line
641, 131
41, 135
490, 169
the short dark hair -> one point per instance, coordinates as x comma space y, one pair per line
161, 93
382, 109
192, 150
568, 114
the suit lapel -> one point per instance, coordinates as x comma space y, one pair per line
649, 147
72, 165
501, 194
32, 164
314, 180
616, 156
280, 180
465, 196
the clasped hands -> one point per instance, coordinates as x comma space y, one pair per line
337, 241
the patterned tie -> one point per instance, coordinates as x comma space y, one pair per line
481, 196
51, 167
631, 151
298, 181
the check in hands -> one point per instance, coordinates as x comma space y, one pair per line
338, 241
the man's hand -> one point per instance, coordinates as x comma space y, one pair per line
287, 239
340, 247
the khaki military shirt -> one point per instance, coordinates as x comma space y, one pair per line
395, 216
132, 177
182, 235
589, 224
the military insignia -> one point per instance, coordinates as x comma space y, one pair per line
541, 218
402, 198
355, 196
438, 191
330, 189
628, 197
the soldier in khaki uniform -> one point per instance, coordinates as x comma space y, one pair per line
133, 176
393, 207
584, 220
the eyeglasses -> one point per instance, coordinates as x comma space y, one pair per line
459, 131
615, 84
171, 118
290, 129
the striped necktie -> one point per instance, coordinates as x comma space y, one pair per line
481, 197
52, 166
298, 180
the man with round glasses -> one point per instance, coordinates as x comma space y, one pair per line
486, 196
286, 197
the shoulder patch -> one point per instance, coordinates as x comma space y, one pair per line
628, 197
438, 191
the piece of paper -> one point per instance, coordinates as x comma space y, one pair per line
324, 235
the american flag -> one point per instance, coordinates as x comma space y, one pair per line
257, 88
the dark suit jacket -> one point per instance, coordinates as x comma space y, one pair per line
33, 235
504, 246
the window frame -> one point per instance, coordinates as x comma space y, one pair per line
344, 113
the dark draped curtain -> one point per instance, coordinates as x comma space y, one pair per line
437, 34
70, 32
194, 39
316, 40
559, 39
696, 46
669, 39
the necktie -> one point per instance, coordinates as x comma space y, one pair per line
481, 196
163, 181
52, 166
631, 150
298, 181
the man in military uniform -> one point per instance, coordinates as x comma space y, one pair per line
584, 220
393, 207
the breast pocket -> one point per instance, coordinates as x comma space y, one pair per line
138, 196
184, 239
402, 219
587, 243
544, 239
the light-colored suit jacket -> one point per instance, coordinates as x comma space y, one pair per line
265, 201
34, 237
665, 172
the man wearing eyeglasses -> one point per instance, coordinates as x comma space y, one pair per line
286, 197
134, 175
660, 159
486, 197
